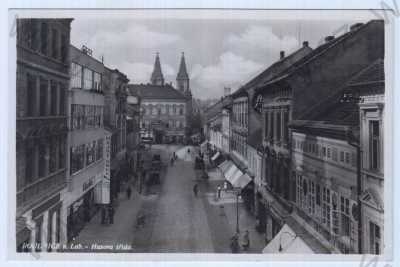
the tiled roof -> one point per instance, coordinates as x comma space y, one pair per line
374, 73
150, 91
346, 113
275, 69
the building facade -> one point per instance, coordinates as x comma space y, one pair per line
41, 137
85, 161
115, 113
294, 94
165, 110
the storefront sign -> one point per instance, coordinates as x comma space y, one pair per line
102, 189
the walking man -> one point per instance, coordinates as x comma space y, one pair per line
128, 192
195, 189
219, 191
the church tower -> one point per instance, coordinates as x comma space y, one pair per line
182, 79
157, 77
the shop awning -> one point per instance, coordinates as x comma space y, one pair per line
241, 181
286, 241
216, 155
229, 172
234, 176
225, 165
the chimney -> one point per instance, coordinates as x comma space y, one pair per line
329, 38
305, 44
355, 26
282, 54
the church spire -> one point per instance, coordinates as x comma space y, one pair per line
182, 79
182, 74
157, 77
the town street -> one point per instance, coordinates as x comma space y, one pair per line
175, 220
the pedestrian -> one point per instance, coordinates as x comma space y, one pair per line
219, 191
128, 192
111, 214
235, 243
103, 215
246, 240
195, 189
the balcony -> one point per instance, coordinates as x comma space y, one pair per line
32, 194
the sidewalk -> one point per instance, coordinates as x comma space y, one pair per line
108, 236
247, 221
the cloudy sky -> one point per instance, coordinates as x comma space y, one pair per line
219, 53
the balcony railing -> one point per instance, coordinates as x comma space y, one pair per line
40, 189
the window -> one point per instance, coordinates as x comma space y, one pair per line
272, 121
167, 110
43, 97
64, 48
278, 126
53, 102
62, 99
90, 153
61, 152
97, 81
374, 238
334, 154
174, 109
54, 43
154, 110
285, 127
324, 151
341, 156
44, 38
77, 158
30, 163
347, 158
374, 147
31, 95
329, 152
181, 111
318, 198
87, 79
42, 160
76, 75
266, 124
53, 158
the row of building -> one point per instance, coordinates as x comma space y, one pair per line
80, 130
304, 142
77, 134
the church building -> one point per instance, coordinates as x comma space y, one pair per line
165, 110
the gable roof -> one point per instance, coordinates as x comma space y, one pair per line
150, 91
276, 68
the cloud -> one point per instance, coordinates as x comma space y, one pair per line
140, 72
231, 70
260, 40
